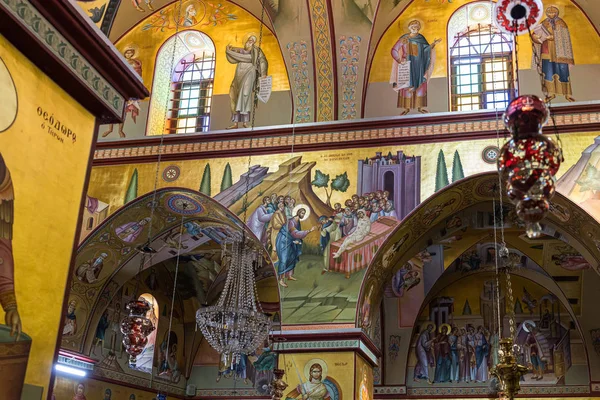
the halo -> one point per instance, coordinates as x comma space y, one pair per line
198, 5
425, 324
448, 327
77, 385
134, 47
301, 206
323, 365
525, 323
247, 35
8, 112
405, 24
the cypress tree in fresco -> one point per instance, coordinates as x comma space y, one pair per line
205, 184
227, 180
132, 189
441, 172
457, 168
466, 308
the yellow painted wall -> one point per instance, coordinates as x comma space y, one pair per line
48, 177
363, 379
64, 389
434, 17
222, 33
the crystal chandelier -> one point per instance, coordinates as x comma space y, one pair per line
529, 161
135, 329
236, 325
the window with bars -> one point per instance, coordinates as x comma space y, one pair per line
191, 94
481, 70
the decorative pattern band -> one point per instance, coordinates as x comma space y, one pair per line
47, 34
326, 345
323, 55
342, 138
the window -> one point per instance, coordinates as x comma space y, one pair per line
90, 223
481, 70
191, 94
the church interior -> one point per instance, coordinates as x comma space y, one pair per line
372, 199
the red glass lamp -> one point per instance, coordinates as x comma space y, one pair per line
135, 329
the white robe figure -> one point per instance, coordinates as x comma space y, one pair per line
362, 230
257, 222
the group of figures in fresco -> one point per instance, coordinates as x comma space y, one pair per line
456, 354
277, 223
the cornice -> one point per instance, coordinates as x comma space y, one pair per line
376, 132
66, 46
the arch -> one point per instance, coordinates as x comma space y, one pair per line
565, 220
118, 236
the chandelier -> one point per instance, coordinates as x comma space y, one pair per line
529, 161
135, 329
236, 325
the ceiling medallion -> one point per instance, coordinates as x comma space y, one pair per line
171, 173
490, 154
183, 205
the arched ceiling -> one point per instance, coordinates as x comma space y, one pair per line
331, 36
184, 223
429, 224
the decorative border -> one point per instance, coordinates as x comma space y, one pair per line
595, 386
389, 390
47, 34
137, 381
324, 63
484, 391
349, 63
236, 393
326, 345
301, 81
313, 137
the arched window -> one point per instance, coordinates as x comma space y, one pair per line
481, 67
182, 94
90, 223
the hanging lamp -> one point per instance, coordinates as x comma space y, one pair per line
136, 326
237, 325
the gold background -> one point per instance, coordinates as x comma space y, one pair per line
434, 19
231, 32
64, 389
48, 178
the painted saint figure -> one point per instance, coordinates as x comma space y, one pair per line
103, 324
130, 231
259, 219
251, 63
8, 299
70, 326
133, 105
330, 233
189, 17
482, 351
443, 358
314, 389
79, 392
289, 245
414, 48
552, 44
424, 356
89, 271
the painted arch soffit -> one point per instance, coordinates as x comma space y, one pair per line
113, 244
575, 226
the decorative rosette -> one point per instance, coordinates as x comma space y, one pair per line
517, 17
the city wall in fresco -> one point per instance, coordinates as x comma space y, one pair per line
349, 214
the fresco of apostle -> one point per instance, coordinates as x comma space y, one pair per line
251, 63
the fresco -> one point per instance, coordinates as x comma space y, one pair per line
325, 252
95, 9
364, 379
457, 338
224, 22
319, 375
90, 389
432, 17
58, 133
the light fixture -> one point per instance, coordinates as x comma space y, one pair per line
236, 325
135, 329
517, 17
70, 370
529, 161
